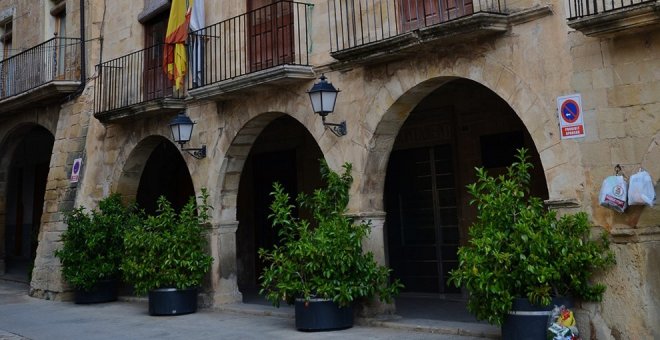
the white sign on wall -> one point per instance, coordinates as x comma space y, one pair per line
75, 170
571, 122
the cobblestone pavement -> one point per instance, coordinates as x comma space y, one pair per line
23, 317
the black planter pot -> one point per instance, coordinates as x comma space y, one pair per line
322, 315
526, 321
102, 291
172, 301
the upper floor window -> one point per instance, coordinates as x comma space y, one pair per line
58, 18
6, 38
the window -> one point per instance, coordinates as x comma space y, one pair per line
58, 14
5, 38
156, 84
6, 51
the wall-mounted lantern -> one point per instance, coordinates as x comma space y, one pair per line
182, 128
323, 96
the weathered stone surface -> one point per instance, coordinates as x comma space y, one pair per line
527, 67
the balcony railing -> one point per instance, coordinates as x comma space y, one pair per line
584, 8
270, 36
57, 59
133, 79
354, 23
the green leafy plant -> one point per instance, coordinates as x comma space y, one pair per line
92, 244
168, 249
324, 259
518, 248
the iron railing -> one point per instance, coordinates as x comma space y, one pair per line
273, 35
132, 79
52, 60
583, 8
355, 23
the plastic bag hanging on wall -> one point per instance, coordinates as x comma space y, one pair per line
641, 191
614, 191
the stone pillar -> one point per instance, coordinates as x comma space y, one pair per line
223, 271
374, 243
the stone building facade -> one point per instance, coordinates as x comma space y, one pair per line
429, 90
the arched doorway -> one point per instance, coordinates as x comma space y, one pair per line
29, 154
459, 126
165, 173
285, 152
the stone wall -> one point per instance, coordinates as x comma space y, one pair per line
529, 66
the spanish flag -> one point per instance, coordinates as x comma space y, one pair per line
175, 59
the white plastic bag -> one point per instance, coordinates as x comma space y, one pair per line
641, 191
613, 193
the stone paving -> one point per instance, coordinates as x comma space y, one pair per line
23, 317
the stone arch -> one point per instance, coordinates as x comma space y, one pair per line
8, 148
238, 139
234, 160
525, 102
134, 164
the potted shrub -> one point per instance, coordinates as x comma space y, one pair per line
320, 264
92, 248
521, 257
166, 258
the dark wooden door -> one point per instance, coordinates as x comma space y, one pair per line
270, 33
456, 8
416, 14
422, 223
155, 81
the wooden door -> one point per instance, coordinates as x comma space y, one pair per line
453, 9
422, 218
155, 81
60, 45
416, 14
270, 33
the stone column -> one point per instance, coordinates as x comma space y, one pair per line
374, 243
223, 271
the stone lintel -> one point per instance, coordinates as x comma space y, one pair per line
367, 215
635, 235
152, 8
562, 203
224, 227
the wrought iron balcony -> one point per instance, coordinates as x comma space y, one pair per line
133, 85
44, 73
611, 17
362, 29
267, 44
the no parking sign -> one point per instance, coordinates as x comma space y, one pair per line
571, 121
75, 170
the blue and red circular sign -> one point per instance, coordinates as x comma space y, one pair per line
570, 111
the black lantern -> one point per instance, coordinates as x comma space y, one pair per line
182, 128
323, 96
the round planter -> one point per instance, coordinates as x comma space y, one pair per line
526, 321
322, 315
172, 301
102, 291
